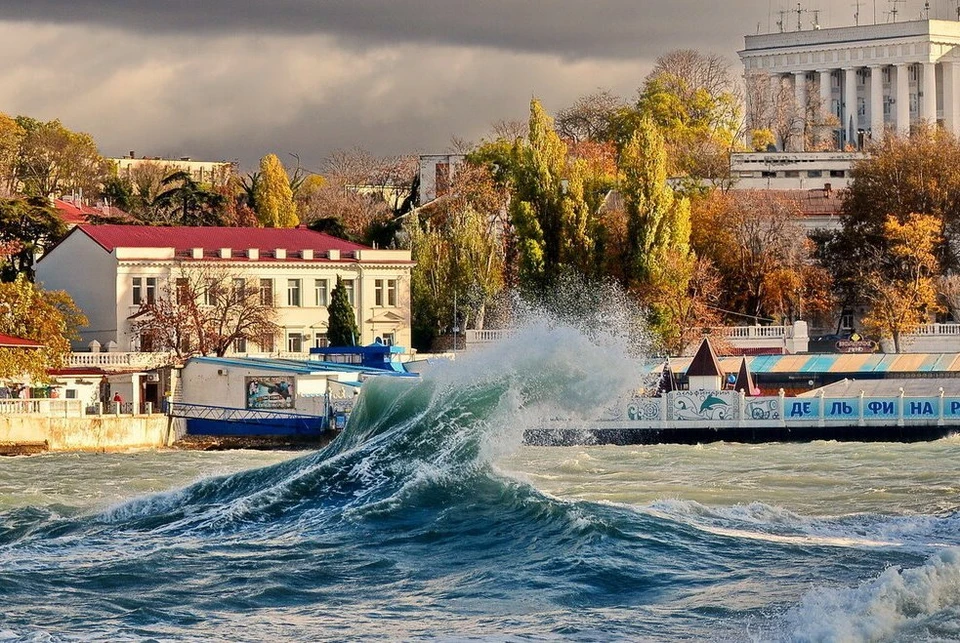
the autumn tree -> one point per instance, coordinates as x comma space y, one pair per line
756, 242
205, 311
590, 118
52, 160
342, 327
901, 291
49, 318
274, 202
549, 210
11, 135
658, 222
901, 176
28, 227
692, 98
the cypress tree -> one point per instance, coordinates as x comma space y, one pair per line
342, 324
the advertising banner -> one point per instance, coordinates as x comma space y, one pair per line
269, 392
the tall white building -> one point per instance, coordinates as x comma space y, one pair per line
870, 78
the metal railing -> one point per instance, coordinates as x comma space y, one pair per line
130, 360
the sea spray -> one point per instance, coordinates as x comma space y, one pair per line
407, 526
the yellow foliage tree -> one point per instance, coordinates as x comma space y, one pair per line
49, 318
902, 291
273, 196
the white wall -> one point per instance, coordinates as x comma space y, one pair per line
87, 272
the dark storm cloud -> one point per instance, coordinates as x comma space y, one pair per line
568, 28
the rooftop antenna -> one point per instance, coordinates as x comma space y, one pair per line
800, 12
780, 21
856, 16
893, 8
926, 10
816, 19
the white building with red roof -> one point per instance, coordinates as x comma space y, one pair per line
110, 270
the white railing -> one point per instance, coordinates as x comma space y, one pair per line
485, 336
753, 332
41, 406
951, 330
120, 360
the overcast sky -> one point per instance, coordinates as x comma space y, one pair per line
236, 79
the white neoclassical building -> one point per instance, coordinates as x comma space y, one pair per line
111, 270
871, 78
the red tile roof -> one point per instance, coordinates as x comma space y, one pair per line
77, 214
184, 238
9, 341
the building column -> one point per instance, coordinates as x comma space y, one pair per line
850, 106
826, 93
928, 102
951, 113
800, 108
903, 99
876, 103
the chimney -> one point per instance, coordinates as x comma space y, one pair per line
133, 154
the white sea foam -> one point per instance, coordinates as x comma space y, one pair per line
911, 603
759, 521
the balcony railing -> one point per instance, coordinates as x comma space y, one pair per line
115, 360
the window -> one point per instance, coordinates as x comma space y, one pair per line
239, 289
320, 340
144, 296
295, 343
391, 292
320, 288
387, 339
147, 342
837, 174
861, 107
183, 290
209, 292
240, 345
293, 292
768, 174
151, 290
266, 292
886, 75
378, 292
814, 174
792, 174
71, 394
348, 286
846, 321
266, 343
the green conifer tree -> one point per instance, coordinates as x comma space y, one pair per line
342, 324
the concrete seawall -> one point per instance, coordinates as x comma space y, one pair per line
90, 433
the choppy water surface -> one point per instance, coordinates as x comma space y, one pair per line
426, 520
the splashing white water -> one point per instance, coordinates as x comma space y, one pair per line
898, 604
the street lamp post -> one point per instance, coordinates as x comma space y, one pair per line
456, 326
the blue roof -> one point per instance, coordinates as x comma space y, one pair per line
300, 367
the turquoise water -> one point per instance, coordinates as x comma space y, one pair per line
426, 520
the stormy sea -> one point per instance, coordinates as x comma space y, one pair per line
428, 519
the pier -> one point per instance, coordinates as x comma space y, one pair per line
699, 417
